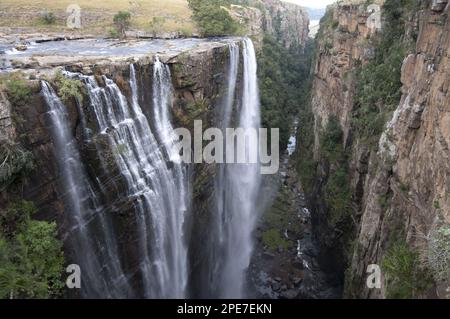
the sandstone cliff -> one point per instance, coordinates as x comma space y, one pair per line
287, 22
399, 183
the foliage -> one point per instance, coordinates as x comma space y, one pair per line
68, 88
48, 18
15, 163
273, 240
212, 19
404, 276
18, 91
338, 195
113, 33
337, 190
122, 22
31, 261
378, 89
306, 165
157, 24
13, 216
283, 75
438, 253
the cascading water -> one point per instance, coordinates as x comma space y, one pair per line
138, 162
237, 185
157, 192
81, 202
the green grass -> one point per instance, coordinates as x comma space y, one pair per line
405, 278
273, 240
176, 14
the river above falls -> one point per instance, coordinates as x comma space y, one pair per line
38, 52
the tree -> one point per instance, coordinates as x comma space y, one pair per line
212, 19
122, 22
31, 262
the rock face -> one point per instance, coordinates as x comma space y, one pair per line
287, 22
7, 130
405, 184
198, 77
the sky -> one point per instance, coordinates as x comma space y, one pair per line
312, 3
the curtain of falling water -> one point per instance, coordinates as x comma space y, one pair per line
80, 200
157, 186
237, 185
157, 191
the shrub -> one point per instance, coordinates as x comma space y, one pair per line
378, 89
113, 33
273, 240
31, 263
18, 91
157, 24
332, 139
14, 216
15, 163
68, 88
404, 276
48, 18
122, 22
212, 19
338, 195
438, 253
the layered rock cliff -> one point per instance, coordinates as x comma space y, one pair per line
287, 22
393, 154
198, 77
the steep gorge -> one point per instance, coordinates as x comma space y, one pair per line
371, 185
378, 121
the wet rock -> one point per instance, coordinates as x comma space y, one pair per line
297, 281
21, 47
290, 294
276, 286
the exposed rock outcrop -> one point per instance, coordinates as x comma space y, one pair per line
403, 186
287, 22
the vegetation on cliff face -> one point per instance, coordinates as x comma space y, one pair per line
15, 163
31, 259
377, 94
438, 253
378, 84
405, 277
283, 77
337, 191
17, 90
68, 88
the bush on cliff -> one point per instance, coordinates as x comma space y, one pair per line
15, 164
378, 89
31, 258
68, 88
17, 90
405, 278
337, 191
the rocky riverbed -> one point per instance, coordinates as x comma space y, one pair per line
285, 260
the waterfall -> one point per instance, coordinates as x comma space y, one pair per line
136, 175
80, 200
155, 189
238, 185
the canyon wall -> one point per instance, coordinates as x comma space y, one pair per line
199, 80
399, 177
287, 22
